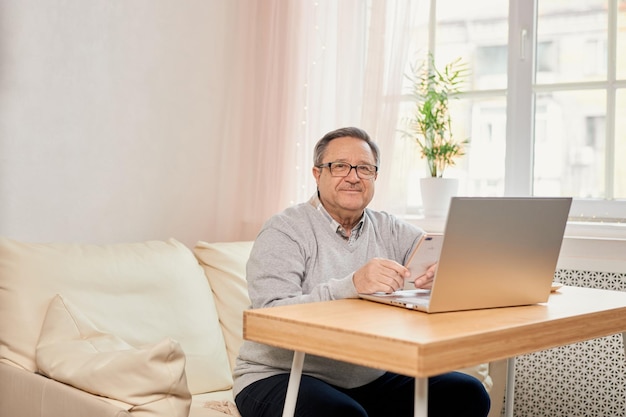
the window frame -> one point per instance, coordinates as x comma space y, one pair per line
588, 217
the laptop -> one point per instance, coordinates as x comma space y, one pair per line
496, 252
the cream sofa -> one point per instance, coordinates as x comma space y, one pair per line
141, 329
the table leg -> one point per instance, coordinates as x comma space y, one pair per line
510, 387
294, 384
421, 397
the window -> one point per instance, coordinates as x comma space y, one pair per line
544, 101
490, 60
547, 58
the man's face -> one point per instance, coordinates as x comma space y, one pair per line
345, 196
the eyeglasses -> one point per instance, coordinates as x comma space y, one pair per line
342, 169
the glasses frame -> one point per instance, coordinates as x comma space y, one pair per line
329, 165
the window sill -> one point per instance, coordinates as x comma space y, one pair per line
596, 229
587, 246
574, 229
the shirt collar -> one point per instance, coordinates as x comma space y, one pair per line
335, 226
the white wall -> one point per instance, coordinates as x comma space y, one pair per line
109, 113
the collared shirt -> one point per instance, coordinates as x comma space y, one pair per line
335, 225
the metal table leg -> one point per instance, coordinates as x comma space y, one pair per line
421, 397
294, 384
510, 387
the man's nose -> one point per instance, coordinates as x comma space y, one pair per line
353, 175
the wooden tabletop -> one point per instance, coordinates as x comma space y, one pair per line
420, 344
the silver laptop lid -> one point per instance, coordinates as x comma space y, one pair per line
499, 252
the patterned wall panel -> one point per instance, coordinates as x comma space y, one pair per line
585, 379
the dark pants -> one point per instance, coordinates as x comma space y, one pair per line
449, 395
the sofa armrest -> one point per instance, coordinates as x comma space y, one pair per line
26, 394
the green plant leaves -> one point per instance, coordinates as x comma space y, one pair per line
430, 124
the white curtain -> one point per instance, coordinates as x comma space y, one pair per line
300, 69
389, 49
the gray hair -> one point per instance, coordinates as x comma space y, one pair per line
352, 132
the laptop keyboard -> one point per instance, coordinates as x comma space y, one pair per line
413, 297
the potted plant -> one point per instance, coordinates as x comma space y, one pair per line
430, 126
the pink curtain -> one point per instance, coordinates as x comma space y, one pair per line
298, 70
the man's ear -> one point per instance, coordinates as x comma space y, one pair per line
316, 173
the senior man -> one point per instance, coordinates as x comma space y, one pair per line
328, 248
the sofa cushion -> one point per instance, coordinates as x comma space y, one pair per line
224, 264
150, 378
142, 292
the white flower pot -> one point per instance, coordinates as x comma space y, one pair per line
436, 194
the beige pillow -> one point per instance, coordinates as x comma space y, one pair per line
141, 292
225, 267
149, 378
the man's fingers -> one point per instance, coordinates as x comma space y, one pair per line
381, 274
400, 270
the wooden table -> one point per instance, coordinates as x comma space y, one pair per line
364, 333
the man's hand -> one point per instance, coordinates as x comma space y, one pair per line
380, 275
426, 280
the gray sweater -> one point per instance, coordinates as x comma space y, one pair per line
299, 258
